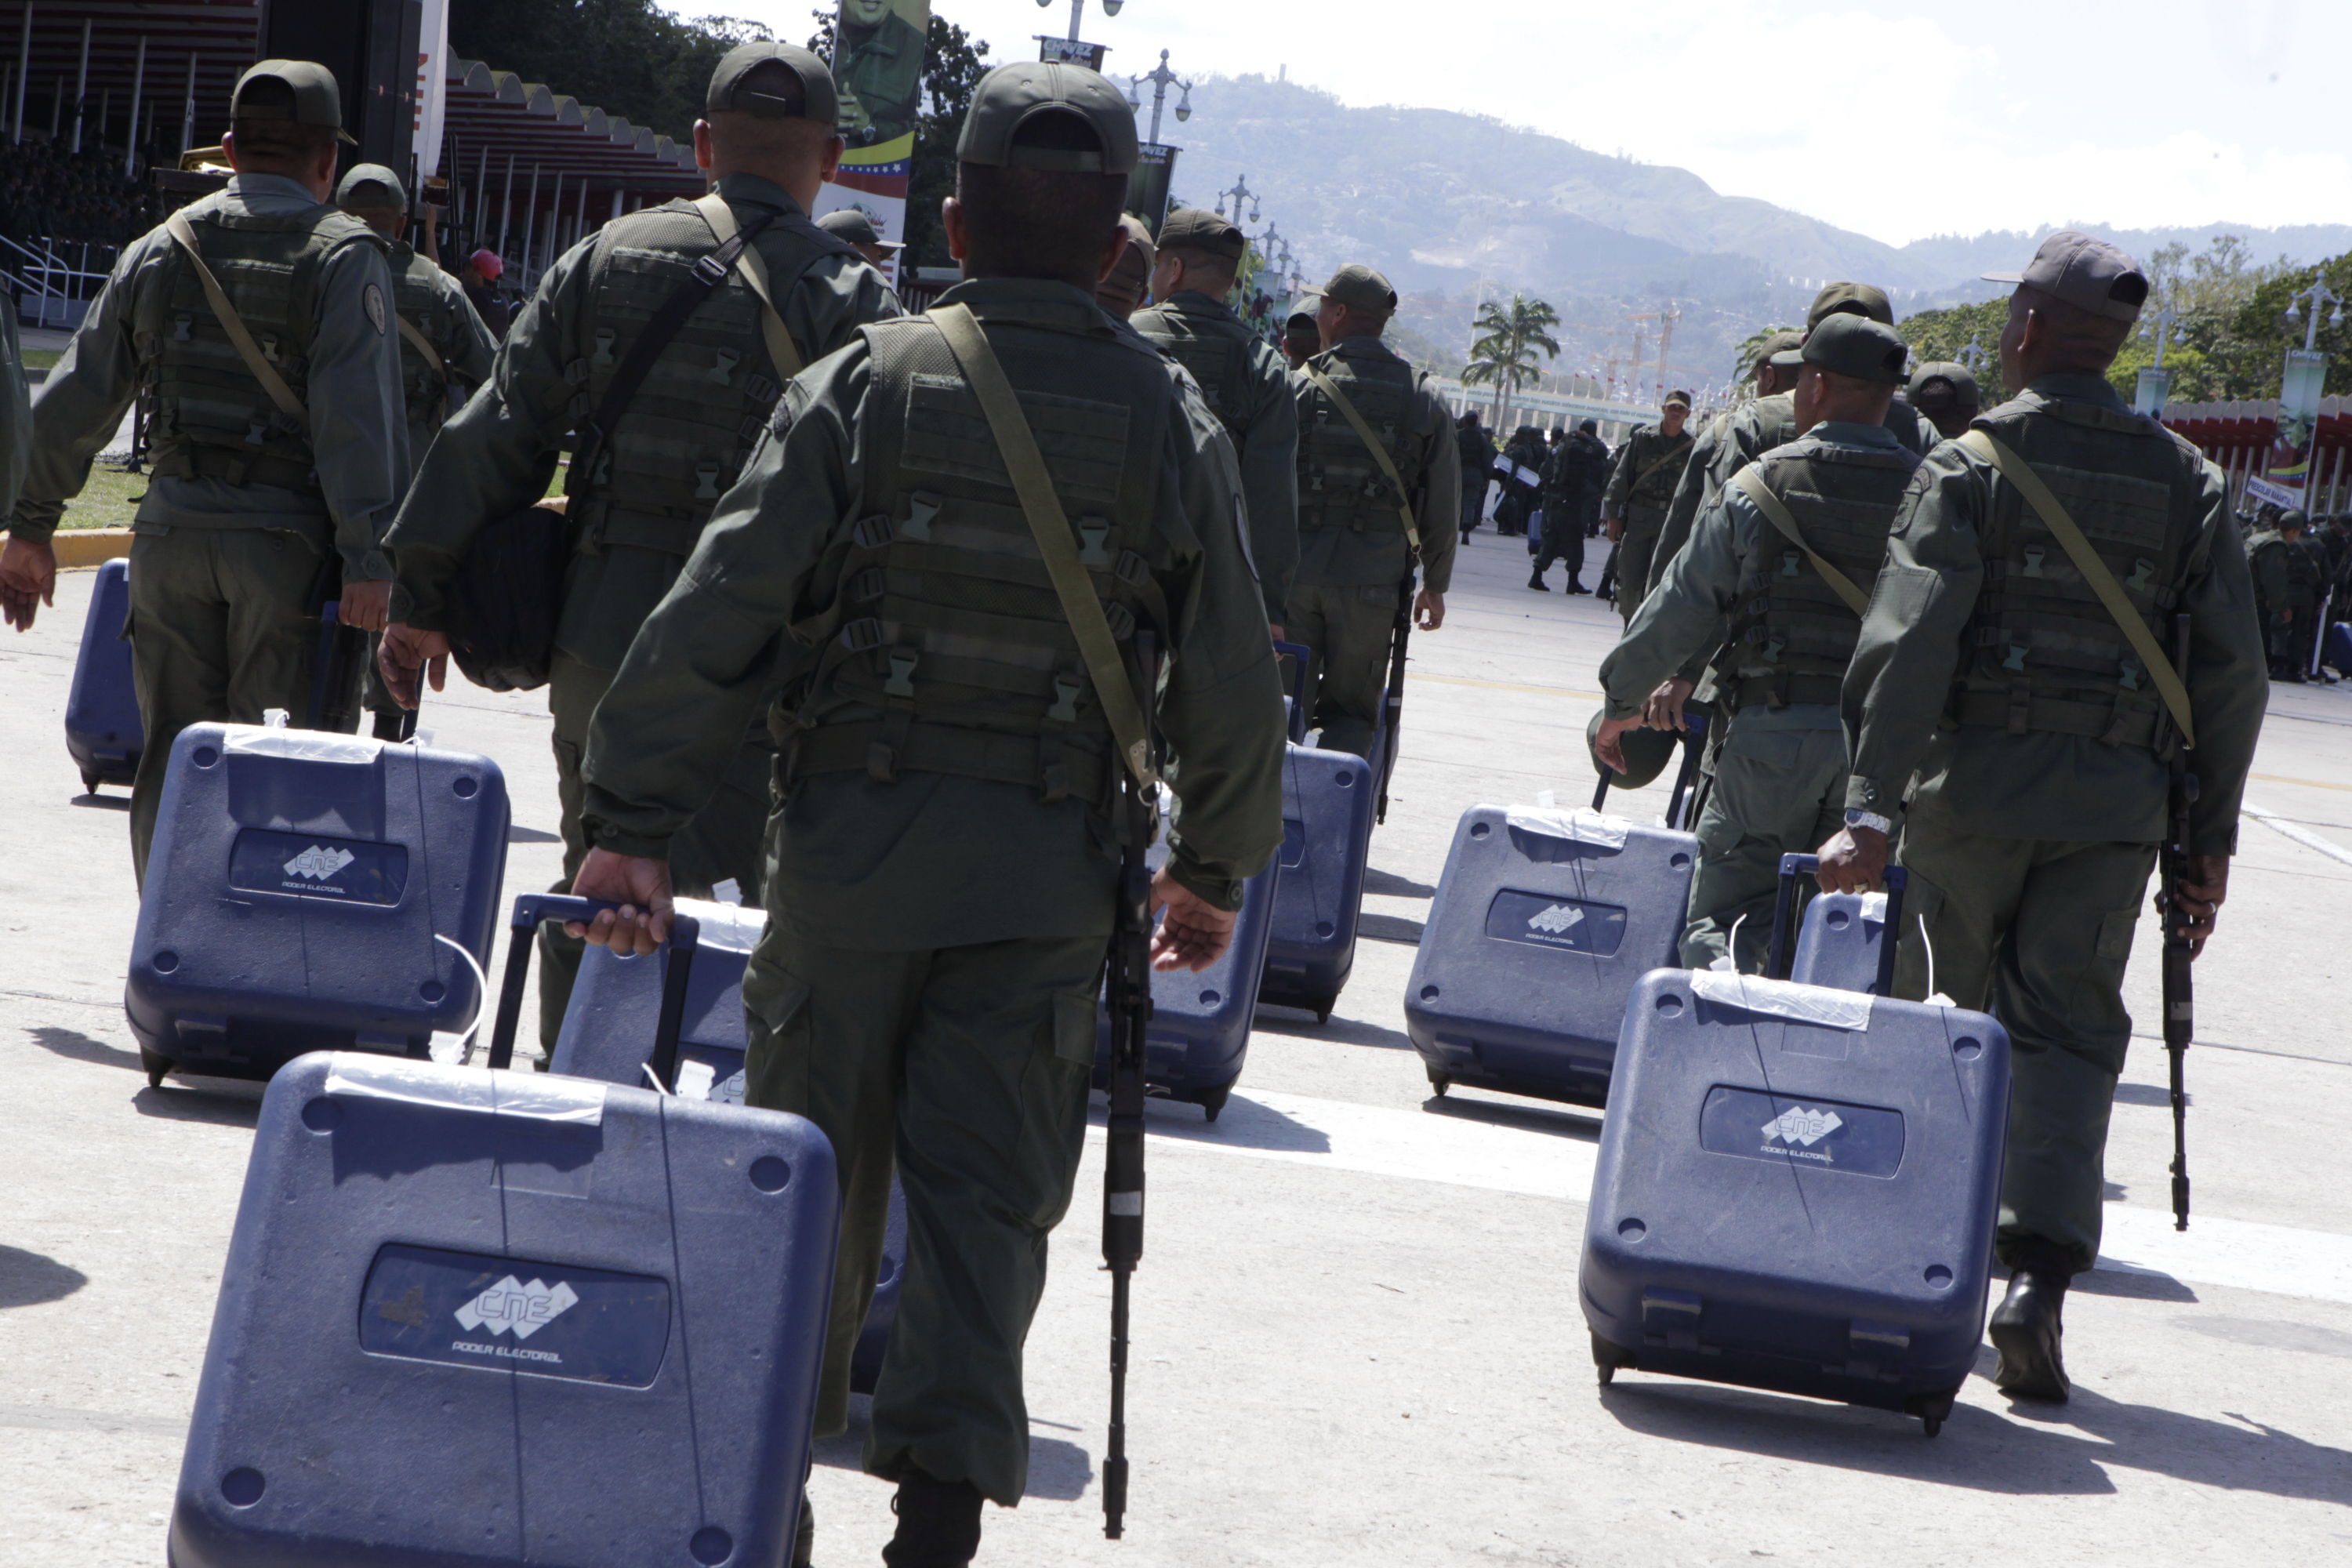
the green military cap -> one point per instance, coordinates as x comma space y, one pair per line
1360, 287
303, 91
1307, 308
854, 226
2086, 272
1859, 347
1677, 398
1009, 96
370, 186
1647, 753
1939, 380
1850, 299
1780, 343
2292, 518
774, 82
1190, 228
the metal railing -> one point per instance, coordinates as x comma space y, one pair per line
55, 280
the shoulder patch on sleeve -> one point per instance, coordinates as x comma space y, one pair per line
372, 299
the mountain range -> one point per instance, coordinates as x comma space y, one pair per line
1454, 207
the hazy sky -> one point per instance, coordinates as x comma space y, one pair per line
1892, 118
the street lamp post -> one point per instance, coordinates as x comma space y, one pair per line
2319, 294
1077, 9
1241, 193
1161, 79
2154, 381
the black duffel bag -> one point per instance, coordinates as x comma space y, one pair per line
503, 603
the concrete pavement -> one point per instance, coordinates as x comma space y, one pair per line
1356, 1335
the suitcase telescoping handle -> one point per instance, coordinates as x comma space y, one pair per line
1694, 741
1784, 920
533, 910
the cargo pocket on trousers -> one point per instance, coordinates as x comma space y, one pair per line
1076, 1016
2115, 943
776, 1025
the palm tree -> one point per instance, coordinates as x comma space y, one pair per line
1504, 354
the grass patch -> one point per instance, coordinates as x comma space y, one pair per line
109, 500
42, 359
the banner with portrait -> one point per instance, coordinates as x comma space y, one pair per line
2286, 473
877, 68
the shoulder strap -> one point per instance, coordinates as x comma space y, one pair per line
1331, 389
2018, 472
184, 234
1654, 468
423, 345
1775, 511
708, 274
1056, 541
782, 350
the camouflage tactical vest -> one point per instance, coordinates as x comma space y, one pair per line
1219, 361
212, 419
1341, 484
434, 312
2302, 570
687, 432
1792, 635
943, 646
2044, 654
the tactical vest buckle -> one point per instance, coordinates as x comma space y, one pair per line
1093, 549
859, 636
872, 532
269, 349
2033, 553
2015, 658
2129, 673
1065, 710
180, 325
254, 433
2142, 570
707, 272
761, 390
1121, 621
867, 585
576, 372
921, 507
722, 369
902, 675
705, 486
606, 337
1132, 569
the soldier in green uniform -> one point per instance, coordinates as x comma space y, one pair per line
943, 858
260, 321
1302, 340
1122, 293
1243, 379
1789, 570
2288, 579
1947, 396
881, 56
1641, 488
1769, 419
767, 140
2022, 733
1372, 502
445, 352
850, 225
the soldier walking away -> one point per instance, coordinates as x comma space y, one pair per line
1379, 483
261, 320
2289, 578
1573, 477
665, 455
1121, 291
2040, 727
1302, 340
445, 352
944, 849
1784, 559
1244, 380
1945, 396
853, 227
1477, 449
1633, 511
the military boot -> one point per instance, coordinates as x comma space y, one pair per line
939, 1523
1534, 581
2026, 1329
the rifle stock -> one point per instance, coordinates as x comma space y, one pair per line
1128, 984
2179, 993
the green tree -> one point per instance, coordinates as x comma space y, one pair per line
1505, 348
2228, 339
1751, 349
629, 57
1948, 335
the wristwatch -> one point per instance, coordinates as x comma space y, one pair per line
1870, 820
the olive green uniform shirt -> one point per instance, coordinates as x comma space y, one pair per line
359, 424
475, 350
1642, 484
1342, 557
495, 457
935, 860
1261, 419
2287, 575
16, 409
2040, 785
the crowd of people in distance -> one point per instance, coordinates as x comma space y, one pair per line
48, 193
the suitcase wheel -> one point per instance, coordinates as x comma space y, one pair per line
89, 784
157, 1065
1214, 1101
1607, 1358
1931, 1409
1440, 1083
1322, 1017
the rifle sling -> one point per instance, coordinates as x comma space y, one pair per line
1331, 389
184, 234
1056, 540
1775, 511
424, 347
2020, 473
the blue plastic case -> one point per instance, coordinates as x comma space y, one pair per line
1328, 801
104, 733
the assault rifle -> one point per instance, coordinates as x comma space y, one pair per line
2179, 952
1129, 988
1393, 701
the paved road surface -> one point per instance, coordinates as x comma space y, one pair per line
1357, 1340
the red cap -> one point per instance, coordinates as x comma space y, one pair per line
488, 264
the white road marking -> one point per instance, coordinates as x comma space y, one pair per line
2302, 836
1466, 1149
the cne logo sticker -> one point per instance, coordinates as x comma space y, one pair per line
1557, 919
511, 1304
1801, 1126
318, 863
